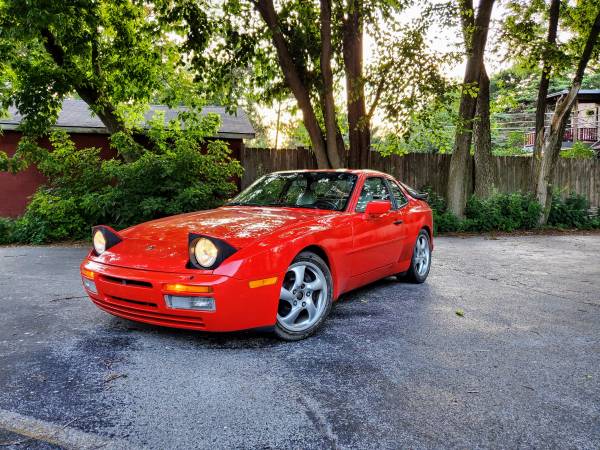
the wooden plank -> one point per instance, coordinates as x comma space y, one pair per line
426, 169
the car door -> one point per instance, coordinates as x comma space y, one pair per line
400, 211
376, 239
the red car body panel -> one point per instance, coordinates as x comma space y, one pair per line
359, 249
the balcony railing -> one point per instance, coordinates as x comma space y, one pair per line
589, 135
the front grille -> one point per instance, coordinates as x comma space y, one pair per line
125, 282
135, 302
142, 315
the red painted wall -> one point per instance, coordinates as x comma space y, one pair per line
16, 190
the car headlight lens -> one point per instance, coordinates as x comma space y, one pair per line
206, 252
99, 242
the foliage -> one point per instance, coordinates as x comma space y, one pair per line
443, 220
503, 212
430, 130
579, 150
115, 56
506, 212
510, 212
572, 212
515, 88
511, 146
179, 175
522, 38
233, 55
7, 227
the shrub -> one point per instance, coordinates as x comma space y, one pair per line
572, 212
443, 220
503, 212
7, 227
51, 218
579, 150
181, 172
499, 212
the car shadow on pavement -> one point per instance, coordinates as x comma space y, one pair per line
257, 338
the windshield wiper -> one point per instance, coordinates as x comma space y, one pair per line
243, 204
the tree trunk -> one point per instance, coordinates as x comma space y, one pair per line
562, 112
540, 111
458, 176
551, 150
358, 121
485, 166
294, 82
335, 159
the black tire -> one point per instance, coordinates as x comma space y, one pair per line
327, 297
415, 273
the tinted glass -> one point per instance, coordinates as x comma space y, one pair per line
374, 189
316, 190
398, 195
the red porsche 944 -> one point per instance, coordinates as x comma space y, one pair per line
278, 255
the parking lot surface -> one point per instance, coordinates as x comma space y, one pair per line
499, 348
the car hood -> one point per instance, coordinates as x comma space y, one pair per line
163, 244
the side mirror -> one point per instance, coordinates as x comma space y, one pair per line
378, 207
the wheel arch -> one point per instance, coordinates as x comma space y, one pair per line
322, 253
429, 231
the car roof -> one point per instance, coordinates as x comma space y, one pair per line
354, 171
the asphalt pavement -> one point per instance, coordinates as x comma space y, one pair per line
499, 348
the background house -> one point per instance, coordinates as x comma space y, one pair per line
584, 125
86, 130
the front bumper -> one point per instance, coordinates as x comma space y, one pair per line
138, 295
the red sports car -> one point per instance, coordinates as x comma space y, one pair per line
278, 255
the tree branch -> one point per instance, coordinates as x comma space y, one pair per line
293, 80
378, 93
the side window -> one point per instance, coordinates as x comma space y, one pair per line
374, 189
398, 195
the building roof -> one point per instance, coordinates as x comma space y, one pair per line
584, 95
76, 117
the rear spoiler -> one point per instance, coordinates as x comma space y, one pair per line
416, 194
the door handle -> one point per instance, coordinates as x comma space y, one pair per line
397, 222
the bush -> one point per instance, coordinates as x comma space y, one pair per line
579, 150
180, 173
572, 212
7, 227
443, 220
501, 212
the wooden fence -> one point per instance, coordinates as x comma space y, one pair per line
425, 169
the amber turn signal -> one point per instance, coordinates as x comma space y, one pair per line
87, 273
264, 282
187, 288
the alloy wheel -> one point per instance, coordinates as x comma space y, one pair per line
422, 255
303, 296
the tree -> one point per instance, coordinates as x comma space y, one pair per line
485, 167
486, 178
308, 48
358, 124
336, 157
458, 174
530, 30
110, 54
553, 141
540, 110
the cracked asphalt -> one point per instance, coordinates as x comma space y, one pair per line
394, 366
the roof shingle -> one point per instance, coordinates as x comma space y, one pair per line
75, 116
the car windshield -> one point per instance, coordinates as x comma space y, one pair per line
317, 190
